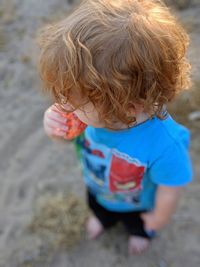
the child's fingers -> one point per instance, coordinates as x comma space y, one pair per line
55, 124
51, 131
58, 132
51, 114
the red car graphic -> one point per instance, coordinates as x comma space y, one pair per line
124, 175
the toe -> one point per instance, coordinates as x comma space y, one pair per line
137, 244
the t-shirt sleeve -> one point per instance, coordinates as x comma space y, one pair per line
173, 167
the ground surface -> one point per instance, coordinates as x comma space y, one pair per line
32, 166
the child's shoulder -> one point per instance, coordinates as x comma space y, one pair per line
170, 131
157, 138
170, 162
170, 143
155, 132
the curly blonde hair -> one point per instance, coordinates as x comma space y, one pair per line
116, 53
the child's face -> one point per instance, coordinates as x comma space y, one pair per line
87, 114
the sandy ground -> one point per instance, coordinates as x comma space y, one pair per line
33, 167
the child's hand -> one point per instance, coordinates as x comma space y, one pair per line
166, 200
54, 122
153, 222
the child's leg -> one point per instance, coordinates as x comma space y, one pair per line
102, 218
139, 239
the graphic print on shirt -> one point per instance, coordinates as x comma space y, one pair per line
112, 174
94, 160
126, 174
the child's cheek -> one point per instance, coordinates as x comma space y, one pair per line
82, 117
89, 117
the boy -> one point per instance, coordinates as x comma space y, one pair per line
115, 64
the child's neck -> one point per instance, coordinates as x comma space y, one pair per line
140, 118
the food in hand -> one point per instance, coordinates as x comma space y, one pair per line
74, 125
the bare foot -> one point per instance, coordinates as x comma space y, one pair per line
137, 244
93, 227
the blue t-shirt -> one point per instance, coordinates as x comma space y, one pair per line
123, 168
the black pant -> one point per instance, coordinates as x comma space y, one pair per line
131, 220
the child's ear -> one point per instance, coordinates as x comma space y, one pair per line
135, 109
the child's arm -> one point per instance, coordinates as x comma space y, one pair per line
166, 201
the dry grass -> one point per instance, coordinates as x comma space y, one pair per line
59, 223
60, 220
